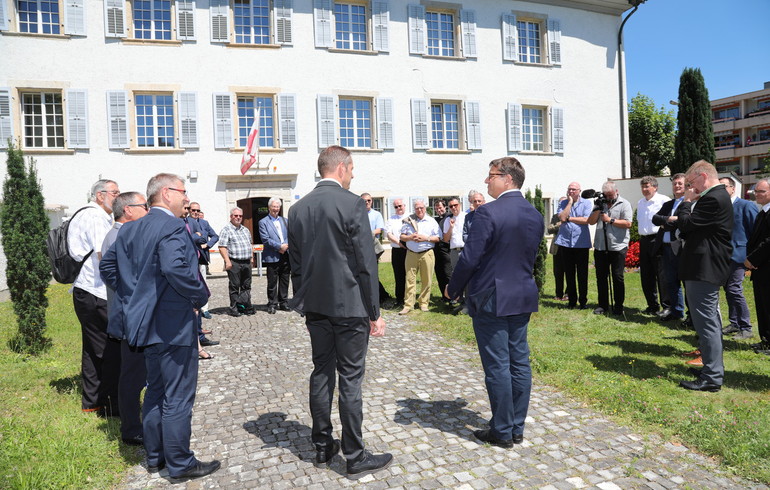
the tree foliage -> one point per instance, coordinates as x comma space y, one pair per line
25, 227
695, 136
651, 136
542, 250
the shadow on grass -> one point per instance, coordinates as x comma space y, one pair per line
276, 431
446, 415
634, 347
70, 384
631, 366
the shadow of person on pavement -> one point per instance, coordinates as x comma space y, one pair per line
276, 431
444, 415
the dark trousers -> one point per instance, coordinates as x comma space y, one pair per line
703, 300
670, 266
736, 302
172, 376
575, 263
504, 353
443, 264
398, 262
651, 272
339, 348
762, 303
558, 273
278, 281
100, 363
133, 379
239, 277
614, 263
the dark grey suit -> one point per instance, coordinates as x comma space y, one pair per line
334, 271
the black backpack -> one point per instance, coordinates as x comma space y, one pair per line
65, 269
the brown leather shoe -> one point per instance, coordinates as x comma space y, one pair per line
697, 362
405, 311
695, 353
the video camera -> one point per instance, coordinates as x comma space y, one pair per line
600, 199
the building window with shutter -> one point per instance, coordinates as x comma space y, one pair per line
251, 19
355, 123
249, 107
446, 32
445, 125
152, 19
39, 16
533, 128
154, 120
47, 119
529, 41
441, 33
43, 120
530, 38
252, 23
352, 26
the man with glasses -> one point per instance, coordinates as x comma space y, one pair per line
477, 200
274, 232
208, 238
100, 364
377, 225
421, 234
128, 206
574, 240
237, 251
398, 249
758, 262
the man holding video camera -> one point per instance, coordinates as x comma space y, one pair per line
613, 217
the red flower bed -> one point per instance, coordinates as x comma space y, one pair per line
632, 257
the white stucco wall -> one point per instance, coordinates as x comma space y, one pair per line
585, 85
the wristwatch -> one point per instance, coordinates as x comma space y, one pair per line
612, 221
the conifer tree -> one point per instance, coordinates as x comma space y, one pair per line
695, 134
542, 250
25, 228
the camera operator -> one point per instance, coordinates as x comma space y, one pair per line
613, 216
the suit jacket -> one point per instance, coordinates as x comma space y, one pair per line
707, 233
333, 266
499, 256
758, 249
208, 236
661, 219
153, 268
271, 240
744, 214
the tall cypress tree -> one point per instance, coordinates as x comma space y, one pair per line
695, 135
25, 228
542, 250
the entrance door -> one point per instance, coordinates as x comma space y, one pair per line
254, 209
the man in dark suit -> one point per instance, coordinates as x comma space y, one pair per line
275, 237
667, 245
334, 271
744, 214
208, 238
153, 268
704, 263
497, 266
758, 262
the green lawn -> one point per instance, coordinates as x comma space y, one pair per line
630, 370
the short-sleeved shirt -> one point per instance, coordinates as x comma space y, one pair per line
395, 223
426, 226
86, 232
375, 220
617, 236
645, 210
237, 241
456, 240
572, 235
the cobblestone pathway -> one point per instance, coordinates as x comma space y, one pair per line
422, 399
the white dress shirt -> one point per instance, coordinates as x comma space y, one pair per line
645, 210
86, 232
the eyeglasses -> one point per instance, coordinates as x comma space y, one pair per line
367, 200
454, 205
195, 210
114, 193
178, 190
144, 205
236, 216
186, 208
398, 206
491, 175
417, 207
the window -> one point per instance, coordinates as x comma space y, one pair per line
39, 16
526, 36
352, 26
529, 128
43, 17
248, 108
51, 119
152, 120
150, 20
726, 113
435, 32
349, 121
438, 125
274, 132
255, 22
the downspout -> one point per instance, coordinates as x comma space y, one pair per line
624, 165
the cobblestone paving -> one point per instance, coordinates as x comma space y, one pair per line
423, 398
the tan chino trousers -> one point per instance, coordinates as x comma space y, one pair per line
424, 262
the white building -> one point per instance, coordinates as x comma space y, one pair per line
425, 93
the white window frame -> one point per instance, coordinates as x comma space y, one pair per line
74, 115
46, 128
225, 114
377, 25
553, 128
222, 23
468, 125
381, 121
464, 31
119, 21
550, 38
274, 107
72, 18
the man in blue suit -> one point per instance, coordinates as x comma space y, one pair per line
206, 238
744, 214
153, 269
275, 237
497, 266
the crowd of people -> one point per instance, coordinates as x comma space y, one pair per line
142, 297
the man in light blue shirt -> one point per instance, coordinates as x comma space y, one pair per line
575, 239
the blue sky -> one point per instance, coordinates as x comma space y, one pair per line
728, 40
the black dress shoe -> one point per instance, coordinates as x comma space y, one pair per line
599, 311
730, 329
234, 313
486, 436
208, 343
155, 469
284, 307
672, 315
198, 470
368, 463
699, 385
271, 310
518, 438
651, 309
583, 307
133, 441
324, 454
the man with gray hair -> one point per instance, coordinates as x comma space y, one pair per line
650, 267
274, 233
421, 233
237, 251
100, 364
613, 216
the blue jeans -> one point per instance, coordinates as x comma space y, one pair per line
504, 352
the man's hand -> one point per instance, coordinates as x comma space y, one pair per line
205, 245
605, 218
749, 265
672, 219
228, 265
377, 327
284, 248
446, 294
690, 195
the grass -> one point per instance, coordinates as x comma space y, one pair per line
45, 440
630, 370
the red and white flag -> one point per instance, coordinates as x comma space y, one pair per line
251, 151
